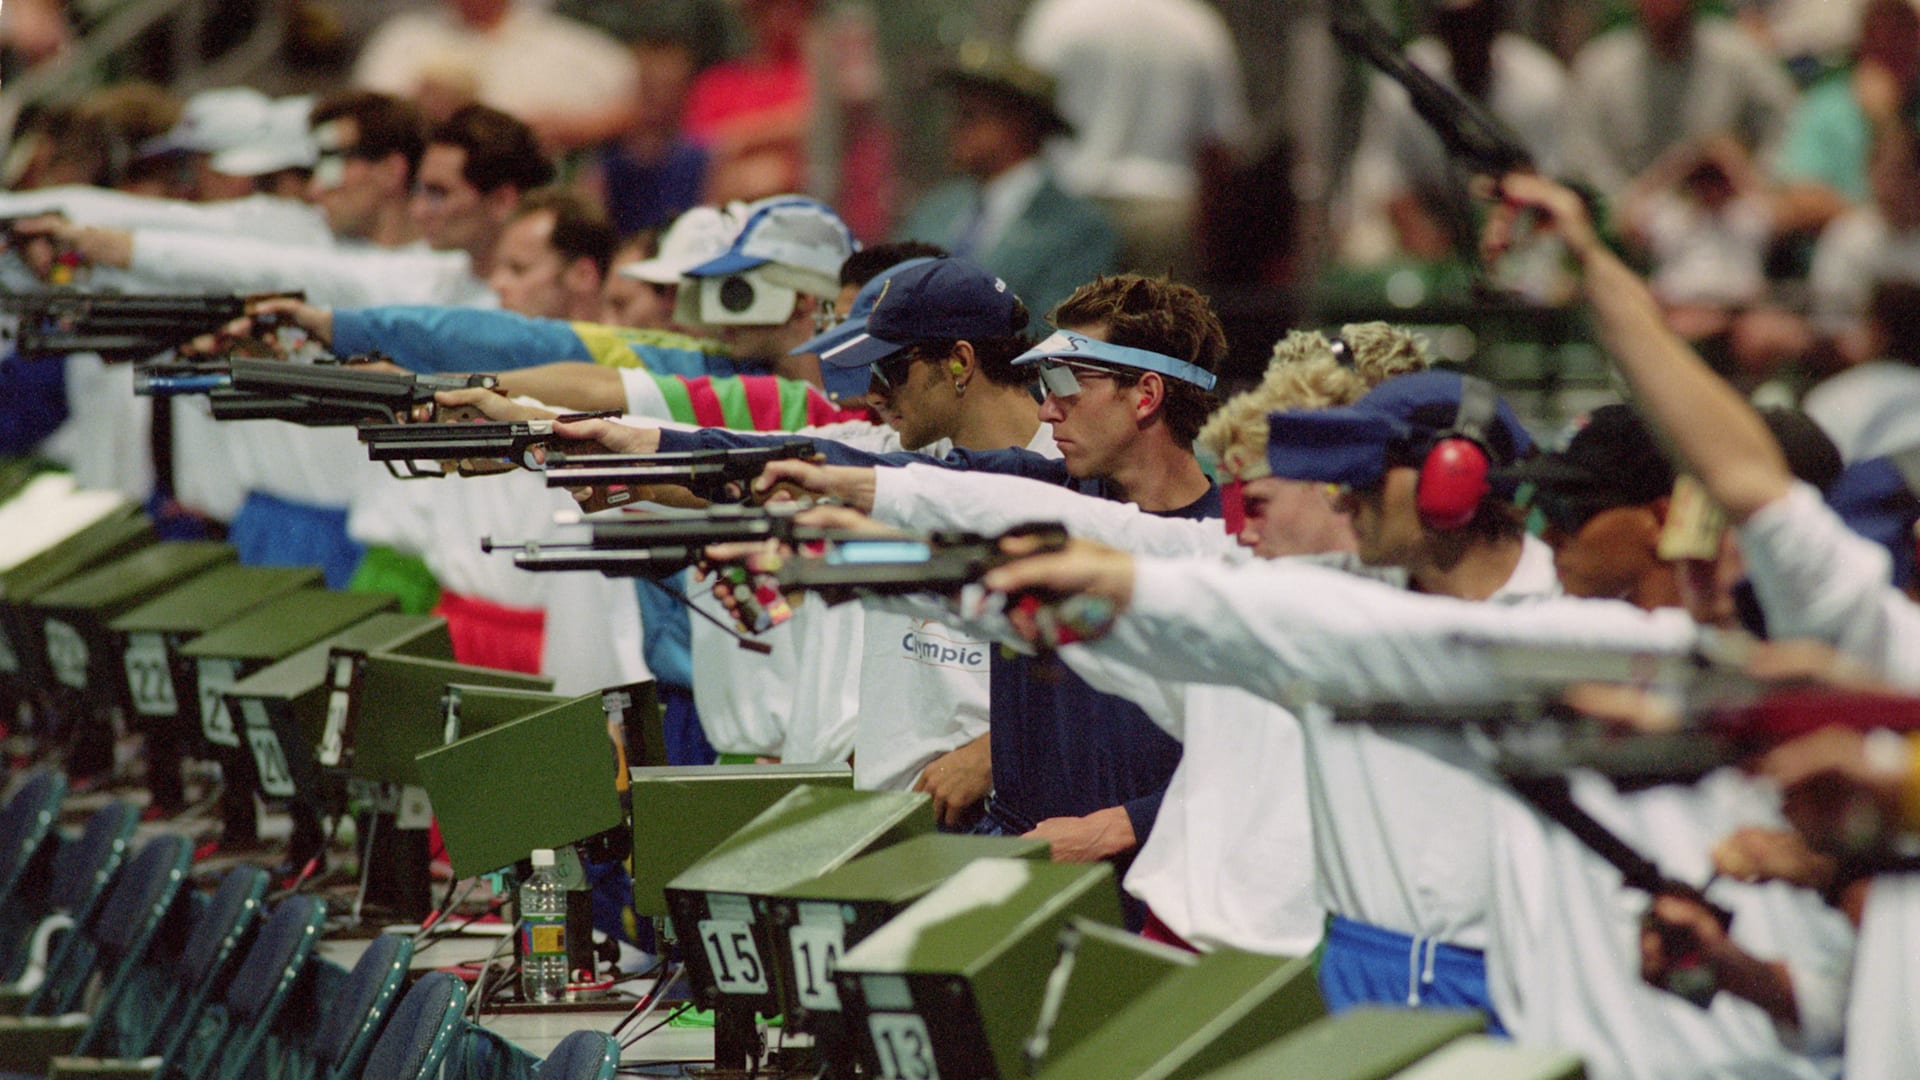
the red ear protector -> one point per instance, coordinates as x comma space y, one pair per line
1233, 506
1453, 475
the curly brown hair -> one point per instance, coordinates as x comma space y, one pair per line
1158, 315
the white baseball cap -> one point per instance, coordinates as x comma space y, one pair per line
697, 236
800, 243
283, 142
216, 120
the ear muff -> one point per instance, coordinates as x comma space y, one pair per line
744, 299
1453, 475
736, 294
1233, 506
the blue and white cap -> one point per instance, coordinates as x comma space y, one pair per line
926, 299
840, 348
1056, 356
794, 241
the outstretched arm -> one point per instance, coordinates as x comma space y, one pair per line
1277, 629
1715, 432
927, 498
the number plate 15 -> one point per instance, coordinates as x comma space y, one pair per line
733, 957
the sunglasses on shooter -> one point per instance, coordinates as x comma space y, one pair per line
1065, 357
890, 374
1062, 380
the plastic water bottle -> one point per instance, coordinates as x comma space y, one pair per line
543, 933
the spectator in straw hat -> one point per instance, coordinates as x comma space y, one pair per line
1005, 210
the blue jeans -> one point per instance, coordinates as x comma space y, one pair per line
1368, 965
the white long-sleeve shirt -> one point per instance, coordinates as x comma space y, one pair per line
1816, 578
924, 682
260, 217
331, 275
1230, 860
1883, 1030
315, 466
799, 702
927, 497
1283, 631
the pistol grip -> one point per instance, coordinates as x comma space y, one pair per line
1689, 975
450, 414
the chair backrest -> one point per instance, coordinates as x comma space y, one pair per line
25, 821
124, 925
232, 1031
220, 929
27, 847
583, 1055
81, 869
352, 1020
422, 1028
285, 941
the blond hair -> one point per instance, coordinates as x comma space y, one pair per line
1306, 373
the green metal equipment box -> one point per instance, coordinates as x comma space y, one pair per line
721, 902
158, 679
469, 709
262, 637
682, 812
633, 709
1102, 969
289, 698
1197, 1019
1359, 1044
74, 615
1484, 1057
953, 985
92, 535
396, 710
540, 779
815, 922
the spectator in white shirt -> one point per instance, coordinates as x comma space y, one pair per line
1148, 85
573, 83
1670, 77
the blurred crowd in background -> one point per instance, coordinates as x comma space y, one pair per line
1755, 158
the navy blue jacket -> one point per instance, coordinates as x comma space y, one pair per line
35, 396
1060, 747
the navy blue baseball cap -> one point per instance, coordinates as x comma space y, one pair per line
1398, 421
918, 300
1875, 498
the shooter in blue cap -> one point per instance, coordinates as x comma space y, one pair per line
933, 341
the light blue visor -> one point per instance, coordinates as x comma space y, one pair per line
1065, 348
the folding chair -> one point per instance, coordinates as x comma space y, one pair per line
231, 1030
583, 1055
421, 1031
328, 1037
109, 949
81, 869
